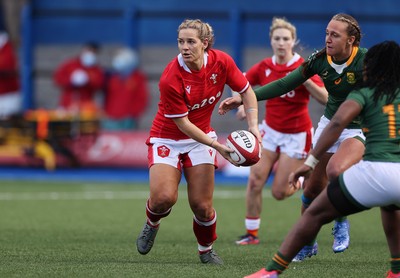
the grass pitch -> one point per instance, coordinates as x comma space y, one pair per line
56, 229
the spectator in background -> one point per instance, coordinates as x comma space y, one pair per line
79, 79
126, 92
10, 97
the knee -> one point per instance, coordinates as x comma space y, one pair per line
278, 194
256, 183
203, 211
161, 202
334, 170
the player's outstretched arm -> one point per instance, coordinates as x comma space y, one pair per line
229, 103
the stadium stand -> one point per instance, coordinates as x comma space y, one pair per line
53, 30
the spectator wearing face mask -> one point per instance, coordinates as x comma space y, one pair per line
126, 92
79, 78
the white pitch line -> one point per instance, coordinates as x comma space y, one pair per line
105, 195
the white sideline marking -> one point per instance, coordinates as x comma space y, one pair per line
106, 195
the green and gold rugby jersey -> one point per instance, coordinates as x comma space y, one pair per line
381, 125
339, 80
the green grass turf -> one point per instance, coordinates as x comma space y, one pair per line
50, 229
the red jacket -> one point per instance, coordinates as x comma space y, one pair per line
9, 81
126, 97
71, 94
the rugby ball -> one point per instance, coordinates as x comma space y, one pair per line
246, 147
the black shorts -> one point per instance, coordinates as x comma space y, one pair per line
339, 199
342, 203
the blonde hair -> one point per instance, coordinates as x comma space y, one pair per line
278, 22
205, 31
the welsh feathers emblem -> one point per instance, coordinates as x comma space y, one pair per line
163, 151
214, 78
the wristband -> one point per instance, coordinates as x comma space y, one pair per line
248, 110
311, 161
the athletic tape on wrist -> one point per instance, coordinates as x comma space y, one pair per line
311, 161
248, 110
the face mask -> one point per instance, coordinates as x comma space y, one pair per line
88, 59
125, 62
3, 39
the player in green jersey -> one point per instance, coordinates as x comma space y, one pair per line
374, 181
339, 65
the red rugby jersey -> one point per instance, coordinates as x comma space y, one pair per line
289, 112
77, 95
184, 92
126, 96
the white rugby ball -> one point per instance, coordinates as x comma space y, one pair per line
246, 147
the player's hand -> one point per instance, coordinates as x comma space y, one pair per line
302, 171
229, 103
225, 152
240, 114
256, 133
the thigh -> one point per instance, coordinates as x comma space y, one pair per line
260, 171
164, 181
286, 165
200, 186
349, 152
318, 179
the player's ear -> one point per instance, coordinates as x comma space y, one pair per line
351, 40
205, 43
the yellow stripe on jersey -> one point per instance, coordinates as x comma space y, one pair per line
349, 61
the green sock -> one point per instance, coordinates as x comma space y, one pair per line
395, 264
341, 219
278, 263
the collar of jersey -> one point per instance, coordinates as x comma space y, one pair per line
294, 59
339, 68
185, 67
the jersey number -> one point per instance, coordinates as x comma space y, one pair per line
390, 111
290, 94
